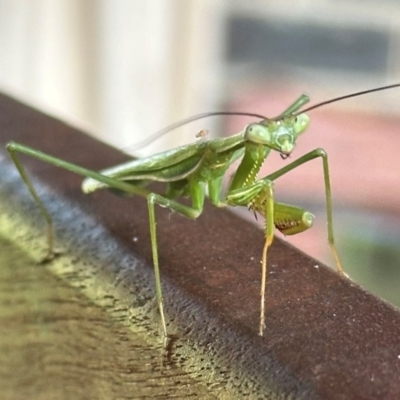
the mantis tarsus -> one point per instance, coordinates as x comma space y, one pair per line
193, 169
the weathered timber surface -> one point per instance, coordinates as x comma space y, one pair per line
325, 337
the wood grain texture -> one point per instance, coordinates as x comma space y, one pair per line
57, 344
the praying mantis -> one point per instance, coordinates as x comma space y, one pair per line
199, 168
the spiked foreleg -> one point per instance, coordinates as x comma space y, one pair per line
328, 195
269, 237
259, 197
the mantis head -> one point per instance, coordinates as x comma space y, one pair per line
278, 134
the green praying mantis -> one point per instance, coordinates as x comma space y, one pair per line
199, 168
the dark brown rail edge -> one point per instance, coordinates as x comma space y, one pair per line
325, 337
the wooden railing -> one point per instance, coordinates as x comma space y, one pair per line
325, 337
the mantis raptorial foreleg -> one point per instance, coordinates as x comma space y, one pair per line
289, 219
328, 196
269, 237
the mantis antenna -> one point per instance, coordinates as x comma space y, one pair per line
188, 120
289, 112
347, 96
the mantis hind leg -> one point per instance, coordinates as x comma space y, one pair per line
15, 148
196, 191
43, 210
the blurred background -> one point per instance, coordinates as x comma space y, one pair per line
124, 69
